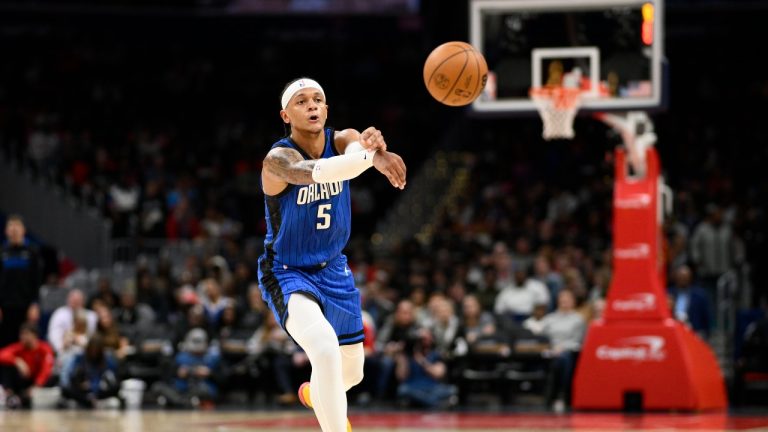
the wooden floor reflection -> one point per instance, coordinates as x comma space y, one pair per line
299, 421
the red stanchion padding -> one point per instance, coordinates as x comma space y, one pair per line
665, 363
637, 349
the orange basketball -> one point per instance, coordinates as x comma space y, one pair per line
455, 73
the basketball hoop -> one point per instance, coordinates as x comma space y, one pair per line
557, 106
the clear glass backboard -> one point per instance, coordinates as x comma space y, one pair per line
612, 48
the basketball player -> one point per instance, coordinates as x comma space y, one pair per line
303, 275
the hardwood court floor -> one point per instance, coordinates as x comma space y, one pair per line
301, 421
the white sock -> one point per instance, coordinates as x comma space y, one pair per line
314, 334
352, 361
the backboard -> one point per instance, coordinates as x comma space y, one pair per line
615, 45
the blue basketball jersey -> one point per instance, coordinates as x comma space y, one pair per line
307, 225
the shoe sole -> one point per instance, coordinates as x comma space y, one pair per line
305, 400
304, 395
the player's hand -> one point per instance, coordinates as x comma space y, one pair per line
392, 166
22, 367
371, 139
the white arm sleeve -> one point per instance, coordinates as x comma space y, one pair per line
343, 167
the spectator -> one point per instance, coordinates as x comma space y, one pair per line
255, 310
444, 326
194, 380
182, 222
109, 331
25, 364
74, 341
213, 302
390, 343
132, 317
90, 378
690, 302
271, 344
714, 249
476, 324
518, 297
565, 329
20, 280
103, 294
422, 374
63, 320
535, 322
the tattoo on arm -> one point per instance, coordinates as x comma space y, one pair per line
288, 165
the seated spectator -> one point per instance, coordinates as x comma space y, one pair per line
132, 317
63, 319
535, 323
519, 296
90, 378
273, 348
476, 324
444, 325
565, 328
690, 302
74, 341
25, 364
103, 295
108, 330
255, 309
213, 301
421, 373
195, 375
390, 342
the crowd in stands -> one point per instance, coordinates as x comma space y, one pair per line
517, 269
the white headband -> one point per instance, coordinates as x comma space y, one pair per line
296, 86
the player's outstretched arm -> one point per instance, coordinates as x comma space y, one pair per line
392, 166
288, 166
284, 165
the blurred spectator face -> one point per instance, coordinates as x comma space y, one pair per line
566, 301
28, 338
471, 306
196, 316
683, 277
211, 289
520, 276
105, 317
456, 292
418, 296
539, 311
541, 266
443, 310
75, 299
81, 323
196, 341
128, 299
501, 258
229, 316
14, 231
404, 315
522, 246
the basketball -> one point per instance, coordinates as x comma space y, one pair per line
455, 73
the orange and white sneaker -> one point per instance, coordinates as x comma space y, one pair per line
305, 400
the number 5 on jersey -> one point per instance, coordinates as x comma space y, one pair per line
323, 216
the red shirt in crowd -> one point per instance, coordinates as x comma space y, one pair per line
39, 359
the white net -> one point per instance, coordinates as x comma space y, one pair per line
557, 107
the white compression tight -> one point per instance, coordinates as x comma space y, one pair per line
334, 369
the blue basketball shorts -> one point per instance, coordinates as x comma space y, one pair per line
332, 287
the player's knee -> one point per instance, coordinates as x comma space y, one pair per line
327, 352
353, 375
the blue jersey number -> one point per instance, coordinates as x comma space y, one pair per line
324, 218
